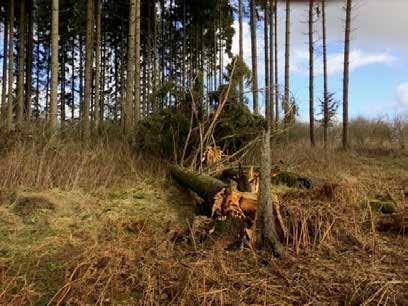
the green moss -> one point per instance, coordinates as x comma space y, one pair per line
381, 206
292, 180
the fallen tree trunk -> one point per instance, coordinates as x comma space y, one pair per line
203, 185
247, 176
221, 202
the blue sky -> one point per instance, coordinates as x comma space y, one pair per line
379, 56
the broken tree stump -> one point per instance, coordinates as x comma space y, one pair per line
220, 201
247, 178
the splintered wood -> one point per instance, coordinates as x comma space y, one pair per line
243, 206
222, 201
212, 155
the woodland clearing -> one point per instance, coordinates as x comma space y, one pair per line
93, 232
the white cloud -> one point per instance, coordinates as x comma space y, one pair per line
402, 95
358, 59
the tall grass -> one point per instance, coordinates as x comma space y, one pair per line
70, 164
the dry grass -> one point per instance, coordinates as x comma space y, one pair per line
93, 224
72, 164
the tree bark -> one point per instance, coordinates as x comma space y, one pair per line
73, 79
254, 57
241, 48
311, 74
325, 78
3, 110
54, 66
271, 63
9, 117
266, 236
130, 68
20, 67
276, 65
97, 67
81, 76
346, 74
29, 63
267, 67
287, 66
86, 132
63, 85
37, 79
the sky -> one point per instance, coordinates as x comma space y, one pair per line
378, 58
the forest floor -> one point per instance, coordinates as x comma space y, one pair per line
95, 224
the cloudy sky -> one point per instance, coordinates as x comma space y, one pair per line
378, 59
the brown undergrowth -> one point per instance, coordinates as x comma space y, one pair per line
93, 224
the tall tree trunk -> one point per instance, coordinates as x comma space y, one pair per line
266, 236
325, 78
122, 85
254, 57
63, 82
29, 63
20, 67
275, 13
311, 74
47, 91
73, 79
137, 62
220, 41
97, 66
267, 65
346, 74
155, 57
241, 48
3, 110
130, 68
54, 66
86, 132
103, 81
271, 63
149, 59
81, 76
287, 66
184, 45
9, 118
37, 78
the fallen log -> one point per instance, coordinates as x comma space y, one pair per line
220, 201
205, 186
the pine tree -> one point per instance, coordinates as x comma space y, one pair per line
3, 105
54, 65
346, 74
86, 132
311, 74
286, 97
254, 50
20, 66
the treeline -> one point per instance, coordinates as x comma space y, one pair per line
94, 61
